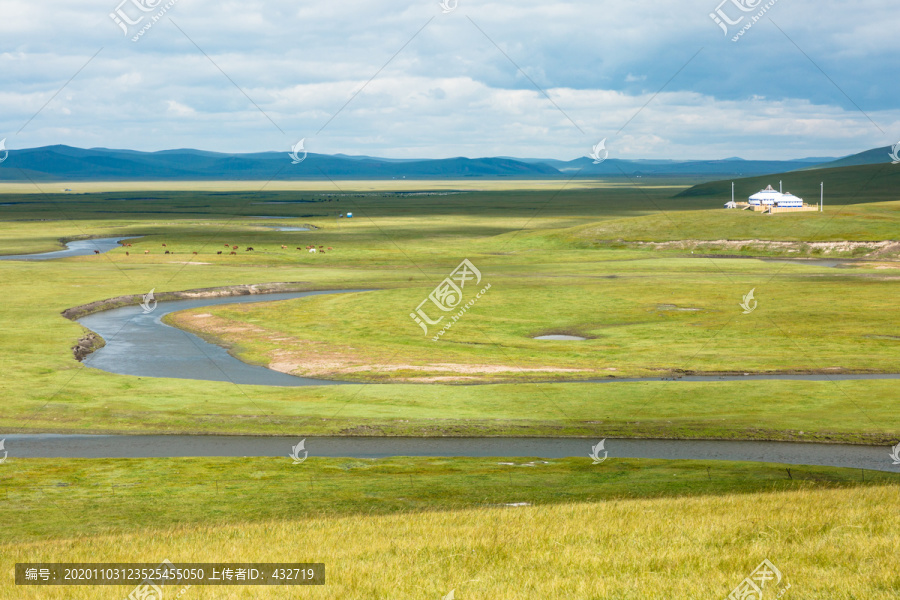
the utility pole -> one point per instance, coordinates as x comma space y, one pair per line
822, 198
732, 191
780, 191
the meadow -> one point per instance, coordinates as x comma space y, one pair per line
591, 259
838, 544
652, 311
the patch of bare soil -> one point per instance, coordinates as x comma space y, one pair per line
329, 361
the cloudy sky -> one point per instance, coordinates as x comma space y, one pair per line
406, 79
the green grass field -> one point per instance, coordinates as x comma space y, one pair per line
590, 259
647, 311
837, 543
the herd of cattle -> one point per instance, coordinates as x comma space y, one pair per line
233, 249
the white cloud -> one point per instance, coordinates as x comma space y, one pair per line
178, 109
450, 91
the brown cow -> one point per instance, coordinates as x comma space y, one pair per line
249, 248
234, 247
167, 252
164, 245
96, 252
146, 252
219, 252
233, 253
195, 254
226, 245
283, 247
330, 248
127, 254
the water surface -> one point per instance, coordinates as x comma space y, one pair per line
151, 446
76, 248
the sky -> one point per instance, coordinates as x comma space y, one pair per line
418, 79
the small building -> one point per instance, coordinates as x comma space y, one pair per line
766, 197
771, 201
789, 201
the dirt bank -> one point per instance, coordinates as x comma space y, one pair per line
874, 249
76, 312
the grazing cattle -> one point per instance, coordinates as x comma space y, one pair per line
283, 247
127, 253
195, 254
164, 245
299, 248
330, 248
233, 253
312, 250
249, 248
146, 252
96, 252
219, 252
167, 252
227, 246
234, 247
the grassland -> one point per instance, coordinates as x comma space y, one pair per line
411, 185
40, 496
635, 303
837, 543
560, 260
624, 310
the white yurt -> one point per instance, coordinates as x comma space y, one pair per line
766, 197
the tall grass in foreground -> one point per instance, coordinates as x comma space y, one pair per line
829, 544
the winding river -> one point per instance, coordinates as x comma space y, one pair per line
153, 446
140, 344
76, 248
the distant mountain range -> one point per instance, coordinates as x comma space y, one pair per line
65, 163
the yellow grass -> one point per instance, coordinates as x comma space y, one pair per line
415, 185
829, 545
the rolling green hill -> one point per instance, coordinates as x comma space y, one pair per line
843, 185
